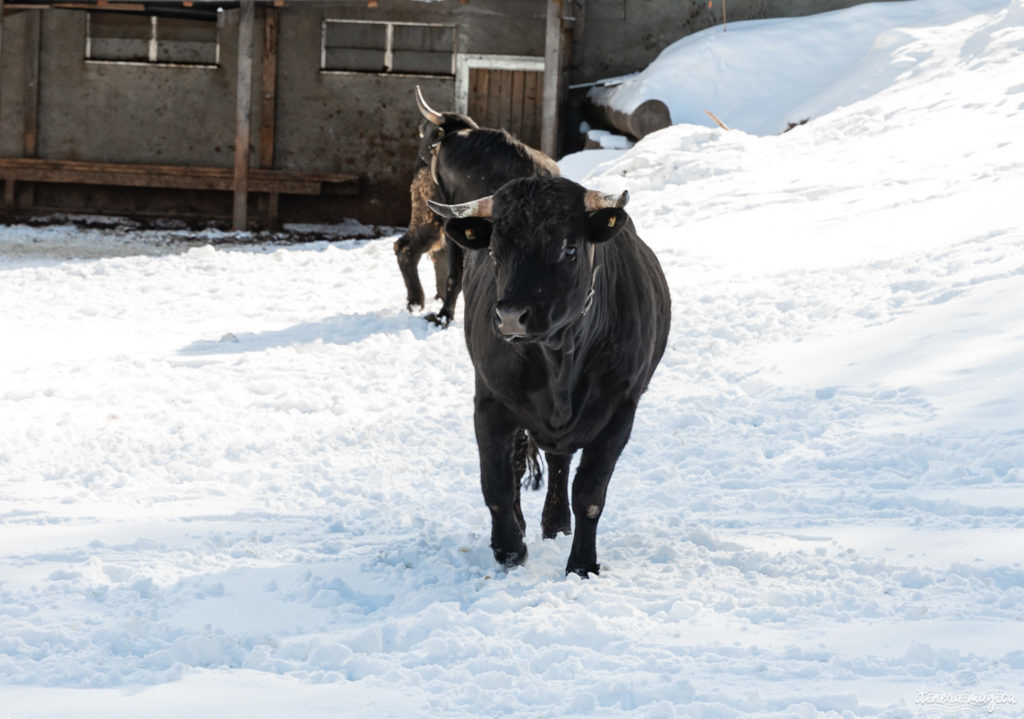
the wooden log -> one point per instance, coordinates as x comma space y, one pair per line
650, 116
243, 113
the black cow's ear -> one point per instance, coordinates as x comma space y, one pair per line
604, 225
472, 233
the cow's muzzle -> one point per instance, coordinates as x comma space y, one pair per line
513, 319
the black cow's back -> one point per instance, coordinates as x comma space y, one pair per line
475, 163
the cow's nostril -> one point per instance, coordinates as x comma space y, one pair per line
512, 319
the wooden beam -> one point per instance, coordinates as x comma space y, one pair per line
579, 29
268, 105
178, 177
31, 103
1, 67
243, 113
268, 82
553, 48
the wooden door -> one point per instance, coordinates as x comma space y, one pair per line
508, 99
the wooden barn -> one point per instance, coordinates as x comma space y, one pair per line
262, 112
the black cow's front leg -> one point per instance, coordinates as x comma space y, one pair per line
494, 439
555, 518
590, 487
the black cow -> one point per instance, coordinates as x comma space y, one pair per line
467, 162
567, 317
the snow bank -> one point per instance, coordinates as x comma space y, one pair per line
761, 75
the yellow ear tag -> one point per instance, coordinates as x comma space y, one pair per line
611, 221
470, 235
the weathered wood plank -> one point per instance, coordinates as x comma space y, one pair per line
517, 120
268, 108
243, 113
553, 49
482, 99
268, 82
182, 177
505, 99
31, 102
1, 63
532, 108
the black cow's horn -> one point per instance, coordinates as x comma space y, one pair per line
473, 208
594, 200
431, 115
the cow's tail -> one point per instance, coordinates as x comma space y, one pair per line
526, 461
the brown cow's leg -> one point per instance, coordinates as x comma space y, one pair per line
408, 260
409, 248
439, 256
456, 256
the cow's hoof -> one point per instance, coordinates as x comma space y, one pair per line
511, 559
583, 571
438, 319
553, 530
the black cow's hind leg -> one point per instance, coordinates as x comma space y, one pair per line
494, 439
590, 487
556, 519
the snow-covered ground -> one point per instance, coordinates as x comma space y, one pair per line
240, 480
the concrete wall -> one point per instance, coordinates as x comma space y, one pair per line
367, 124
12, 83
623, 36
132, 113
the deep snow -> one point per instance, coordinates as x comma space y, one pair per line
240, 480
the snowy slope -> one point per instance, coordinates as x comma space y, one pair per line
240, 480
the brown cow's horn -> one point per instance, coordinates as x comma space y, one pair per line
431, 115
474, 208
594, 200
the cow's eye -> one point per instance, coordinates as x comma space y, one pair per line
493, 258
568, 253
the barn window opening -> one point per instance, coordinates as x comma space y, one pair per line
388, 47
119, 37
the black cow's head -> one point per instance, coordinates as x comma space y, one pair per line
436, 125
541, 233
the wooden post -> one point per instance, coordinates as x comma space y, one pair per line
243, 113
8, 184
552, 79
1, 61
31, 114
268, 106
30, 106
